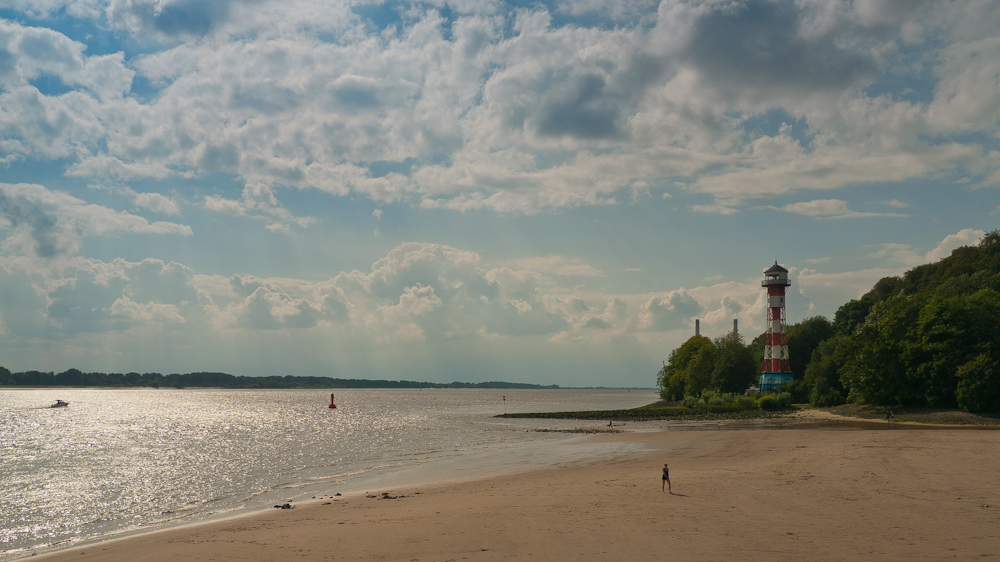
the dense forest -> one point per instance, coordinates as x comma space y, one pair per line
928, 338
74, 377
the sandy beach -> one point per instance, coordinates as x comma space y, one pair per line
791, 494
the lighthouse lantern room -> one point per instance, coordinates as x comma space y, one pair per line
776, 370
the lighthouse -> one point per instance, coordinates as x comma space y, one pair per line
776, 370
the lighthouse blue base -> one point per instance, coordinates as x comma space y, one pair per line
771, 381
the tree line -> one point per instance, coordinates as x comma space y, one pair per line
930, 337
75, 377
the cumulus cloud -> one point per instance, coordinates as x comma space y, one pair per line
103, 166
40, 9
755, 52
168, 19
484, 106
668, 312
624, 11
246, 301
145, 313
34, 52
62, 300
715, 209
905, 254
258, 201
156, 202
828, 291
51, 223
615, 313
414, 303
418, 292
34, 124
829, 209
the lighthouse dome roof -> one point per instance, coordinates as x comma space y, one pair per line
775, 269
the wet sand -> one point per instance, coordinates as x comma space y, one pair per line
786, 494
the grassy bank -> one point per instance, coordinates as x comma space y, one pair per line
657, 411
914, 414
677, 411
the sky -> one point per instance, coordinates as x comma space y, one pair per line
471, 190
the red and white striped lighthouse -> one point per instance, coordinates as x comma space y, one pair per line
776, 370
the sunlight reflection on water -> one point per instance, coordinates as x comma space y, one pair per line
131, 458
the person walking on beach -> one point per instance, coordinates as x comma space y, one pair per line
666, 479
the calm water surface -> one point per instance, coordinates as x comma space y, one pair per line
119, 460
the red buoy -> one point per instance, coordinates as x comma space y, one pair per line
332, 405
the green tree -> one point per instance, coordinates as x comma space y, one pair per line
822, 375
911, 348
699, 370
756, 348
70, 377
979, 384
672, 378
852, 314
966, 271
875, 371
734, 367
969, 283
951, 332
803, 338
663, 381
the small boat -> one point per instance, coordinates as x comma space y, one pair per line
59, 404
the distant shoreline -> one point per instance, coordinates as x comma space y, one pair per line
650, 412
74, 378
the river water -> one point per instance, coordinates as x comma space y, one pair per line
119, 461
